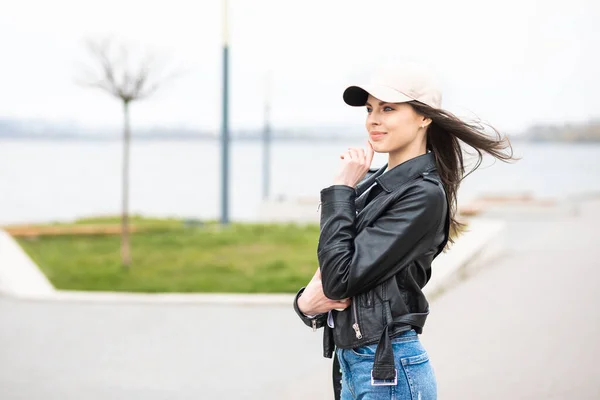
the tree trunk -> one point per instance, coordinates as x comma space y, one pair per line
125, 244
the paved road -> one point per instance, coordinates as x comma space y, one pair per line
528, 326
523, 327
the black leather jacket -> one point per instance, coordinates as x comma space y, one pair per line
379, 254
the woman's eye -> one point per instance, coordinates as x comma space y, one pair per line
388, 108
369, 110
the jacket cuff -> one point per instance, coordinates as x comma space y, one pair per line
338, 193
320, 319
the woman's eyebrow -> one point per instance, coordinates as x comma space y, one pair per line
380, 103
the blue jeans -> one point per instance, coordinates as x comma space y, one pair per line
416, 379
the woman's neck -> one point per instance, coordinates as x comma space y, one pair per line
399, 156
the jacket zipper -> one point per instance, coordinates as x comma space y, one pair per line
355, 325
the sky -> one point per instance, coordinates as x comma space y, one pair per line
511, 63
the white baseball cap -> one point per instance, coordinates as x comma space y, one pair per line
397, 83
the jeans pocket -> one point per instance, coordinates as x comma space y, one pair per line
420, 376
365, 351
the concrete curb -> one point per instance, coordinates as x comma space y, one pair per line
170, 298
481, 243
20, 277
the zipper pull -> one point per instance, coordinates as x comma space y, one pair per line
314, 325
357, 330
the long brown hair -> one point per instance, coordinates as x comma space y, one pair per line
444, 137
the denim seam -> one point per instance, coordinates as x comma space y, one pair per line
394, 341
346, 372
408, 380
418, 359
366, 341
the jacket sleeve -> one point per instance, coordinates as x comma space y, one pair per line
354, 263
319, 320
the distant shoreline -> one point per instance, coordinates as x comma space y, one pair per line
178, 138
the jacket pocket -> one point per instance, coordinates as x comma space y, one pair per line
367, 299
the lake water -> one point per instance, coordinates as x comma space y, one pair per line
45, 181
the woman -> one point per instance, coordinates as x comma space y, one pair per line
379, 235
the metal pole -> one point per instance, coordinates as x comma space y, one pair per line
225, 120
267, 139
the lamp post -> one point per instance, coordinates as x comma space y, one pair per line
225, 120
267, 138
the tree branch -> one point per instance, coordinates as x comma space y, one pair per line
118, 77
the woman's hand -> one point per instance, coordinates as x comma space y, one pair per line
355, 165
313, 300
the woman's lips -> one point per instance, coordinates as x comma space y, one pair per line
376, 135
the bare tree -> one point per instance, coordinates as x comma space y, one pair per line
128, 83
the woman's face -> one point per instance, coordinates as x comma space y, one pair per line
394, 127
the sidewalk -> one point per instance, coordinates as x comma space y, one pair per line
523, 327
526, 327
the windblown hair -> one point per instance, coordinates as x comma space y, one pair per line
445, 136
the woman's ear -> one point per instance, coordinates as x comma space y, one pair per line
425, 123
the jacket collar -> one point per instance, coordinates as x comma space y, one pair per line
408, 170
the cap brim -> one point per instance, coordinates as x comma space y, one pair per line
357, 96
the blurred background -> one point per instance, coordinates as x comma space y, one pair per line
528, 68
226, 202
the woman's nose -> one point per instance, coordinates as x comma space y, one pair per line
373, 119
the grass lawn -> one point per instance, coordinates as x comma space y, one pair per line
172, 256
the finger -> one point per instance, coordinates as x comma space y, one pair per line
370, 153
363, 156
354, 154
338, 302
340, 306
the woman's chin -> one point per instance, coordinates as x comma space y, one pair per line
378, 147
